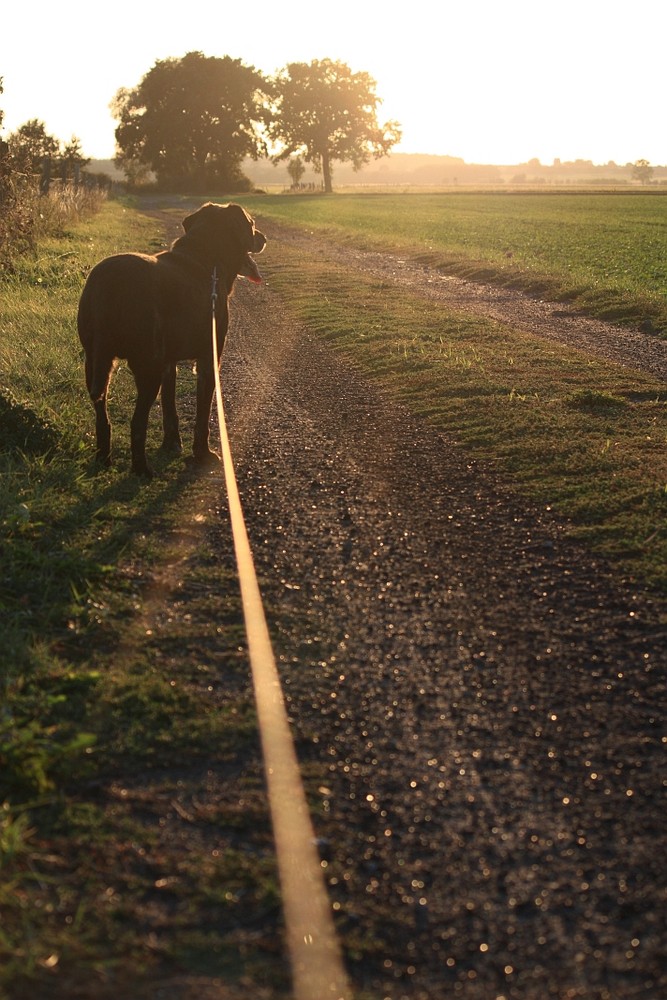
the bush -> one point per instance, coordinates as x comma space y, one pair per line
22, 429
26, 215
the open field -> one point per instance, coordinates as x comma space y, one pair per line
120, 614
605, 253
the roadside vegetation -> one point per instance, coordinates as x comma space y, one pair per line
91, 699
586, 437
80, 557
28, 217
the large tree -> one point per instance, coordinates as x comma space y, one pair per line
642, 171
31, 151
30, 146
192, 121
327, 113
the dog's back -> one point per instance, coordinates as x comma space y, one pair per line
117, 309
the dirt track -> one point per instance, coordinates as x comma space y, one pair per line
553, 321
484, 699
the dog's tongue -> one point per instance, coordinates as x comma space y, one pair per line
251, 271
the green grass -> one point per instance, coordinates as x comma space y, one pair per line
44, 501
91, 700
604, 253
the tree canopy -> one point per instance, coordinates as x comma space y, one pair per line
30, 151
192, 121
30, 145
326, 113
642, 171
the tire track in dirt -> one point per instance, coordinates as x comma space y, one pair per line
483, 694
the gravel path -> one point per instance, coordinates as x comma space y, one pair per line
485, 697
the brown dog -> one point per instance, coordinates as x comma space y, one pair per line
157, 311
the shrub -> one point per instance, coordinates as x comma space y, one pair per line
22, 429
26, 215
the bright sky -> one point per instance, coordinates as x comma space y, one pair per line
491, 81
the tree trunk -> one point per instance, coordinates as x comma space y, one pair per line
326, 173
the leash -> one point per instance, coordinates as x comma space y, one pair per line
317, 966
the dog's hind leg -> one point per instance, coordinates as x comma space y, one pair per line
98, 374
148, 386
172, 437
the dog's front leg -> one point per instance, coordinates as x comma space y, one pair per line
203, 455
148, 386
172, 437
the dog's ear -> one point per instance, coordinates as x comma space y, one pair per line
198, 216
244, 227
241, 226
249, 239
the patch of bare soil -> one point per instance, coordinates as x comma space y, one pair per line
483, 698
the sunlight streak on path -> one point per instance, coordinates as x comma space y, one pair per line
317, 966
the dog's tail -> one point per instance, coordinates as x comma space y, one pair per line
98, 376
98, 368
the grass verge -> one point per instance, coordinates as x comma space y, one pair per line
582, 436
135, 848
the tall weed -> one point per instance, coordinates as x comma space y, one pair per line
27, 216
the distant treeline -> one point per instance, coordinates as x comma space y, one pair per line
429, 170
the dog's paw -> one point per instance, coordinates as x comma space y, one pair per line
144, 470
207, 459
171, 446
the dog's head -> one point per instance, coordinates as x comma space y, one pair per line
226, 233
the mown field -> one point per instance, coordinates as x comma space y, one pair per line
606, 253
78, 550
